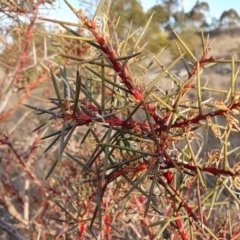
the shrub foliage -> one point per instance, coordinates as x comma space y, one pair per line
132, 158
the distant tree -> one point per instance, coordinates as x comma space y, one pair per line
196, 17
160, 15
127, 10
229, 19
170, 6
179, 20
132, 11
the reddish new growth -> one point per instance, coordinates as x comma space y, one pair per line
111, 54
148, 130
148, 154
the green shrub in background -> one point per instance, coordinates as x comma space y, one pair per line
149, 172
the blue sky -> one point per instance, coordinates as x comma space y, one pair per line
216, 8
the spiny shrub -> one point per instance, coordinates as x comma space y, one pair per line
143, 163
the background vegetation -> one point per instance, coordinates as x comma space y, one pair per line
74, 168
